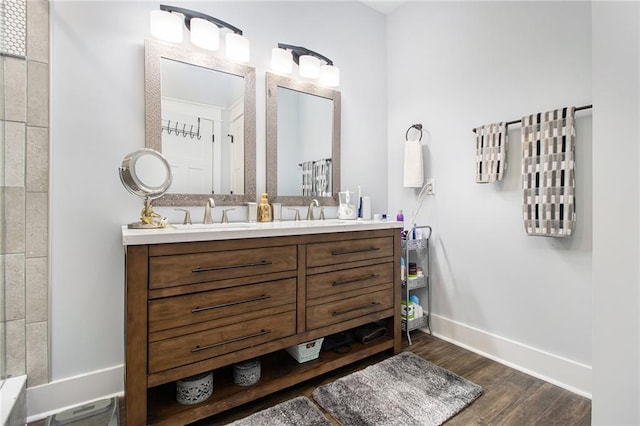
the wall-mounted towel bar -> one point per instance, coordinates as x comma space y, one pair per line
580, 108
328, 160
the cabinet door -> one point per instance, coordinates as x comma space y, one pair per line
344, 309
179, 311
170, 353
181, 269
322, 254
329, 283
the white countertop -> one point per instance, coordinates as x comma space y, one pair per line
238, 230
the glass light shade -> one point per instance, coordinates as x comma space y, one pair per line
329, 75
237, 47
166, 26
309, 66
205, 34
281, 60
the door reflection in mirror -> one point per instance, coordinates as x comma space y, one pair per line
203, 128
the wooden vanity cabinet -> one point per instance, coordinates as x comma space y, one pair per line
203, 306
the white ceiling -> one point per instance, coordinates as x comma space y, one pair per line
385, 7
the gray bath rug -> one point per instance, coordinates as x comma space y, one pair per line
402, 390
298, 411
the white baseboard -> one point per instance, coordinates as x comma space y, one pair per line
57, 396
568, 374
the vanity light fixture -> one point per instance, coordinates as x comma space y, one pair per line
281, 60
311, 65
204, 31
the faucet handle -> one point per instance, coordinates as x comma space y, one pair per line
187, 216
225, 219
321, 213
297, 217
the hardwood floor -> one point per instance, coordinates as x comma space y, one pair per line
510, 397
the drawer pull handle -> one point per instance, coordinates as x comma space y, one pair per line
240, 265
341, 252
354, 280
224, 305
237, 339
357, 308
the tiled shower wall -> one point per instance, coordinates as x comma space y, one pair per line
25, 194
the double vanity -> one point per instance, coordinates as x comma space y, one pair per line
202, 298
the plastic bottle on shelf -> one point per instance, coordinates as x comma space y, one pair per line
400, 218
417, 308
417, 311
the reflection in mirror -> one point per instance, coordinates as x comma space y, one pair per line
304, 169
150, 171
200, 113
303, 141
203, 128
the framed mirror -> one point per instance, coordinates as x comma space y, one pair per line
201, 115
303, 142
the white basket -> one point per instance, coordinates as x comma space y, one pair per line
194, 389
306, 351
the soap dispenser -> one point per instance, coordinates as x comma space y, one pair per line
264, 209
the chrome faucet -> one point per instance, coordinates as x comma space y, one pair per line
207, 211
310, 211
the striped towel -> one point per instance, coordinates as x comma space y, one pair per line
322, 177
307, 178
491, 152
548, 173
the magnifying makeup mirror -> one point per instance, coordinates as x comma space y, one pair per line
145, 173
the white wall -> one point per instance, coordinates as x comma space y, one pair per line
616, 331
453, 66
97, 117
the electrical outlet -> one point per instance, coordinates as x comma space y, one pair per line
431, 187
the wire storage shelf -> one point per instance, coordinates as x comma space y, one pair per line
421, 244
414, 323
416, 282
416, 255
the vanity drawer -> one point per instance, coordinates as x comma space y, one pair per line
176, 270
348, 279
348, 308
322, 254
171, 353
194, 308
